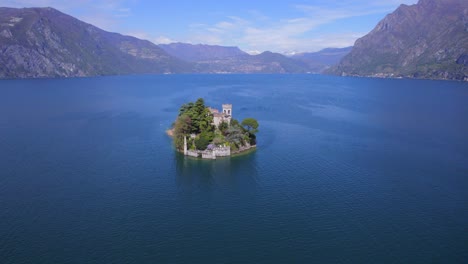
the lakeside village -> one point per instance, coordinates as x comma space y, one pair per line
204, 132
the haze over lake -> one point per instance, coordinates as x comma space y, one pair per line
346, 170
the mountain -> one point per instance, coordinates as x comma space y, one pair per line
266, 62
425, 40
43, 42
201, 52
275, 62
322, 60
221, 59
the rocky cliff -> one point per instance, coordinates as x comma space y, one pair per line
43, 42
425, 40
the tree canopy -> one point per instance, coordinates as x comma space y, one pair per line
251, 125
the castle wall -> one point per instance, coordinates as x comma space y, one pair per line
210, 154
216, 121
192, 153
225, 116
222, 151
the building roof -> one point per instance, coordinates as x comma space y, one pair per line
213, 110
216, 114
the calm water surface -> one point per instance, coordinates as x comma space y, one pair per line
347, 170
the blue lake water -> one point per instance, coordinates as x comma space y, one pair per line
347, 170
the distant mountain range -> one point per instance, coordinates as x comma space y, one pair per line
426, 40
319, 61
201, 52
220, 59
44, 42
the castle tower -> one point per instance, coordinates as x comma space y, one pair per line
227, 109
185, 146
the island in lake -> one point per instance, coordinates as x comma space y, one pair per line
205, 132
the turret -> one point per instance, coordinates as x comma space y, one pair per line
227, 109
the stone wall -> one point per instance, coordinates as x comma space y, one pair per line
222, 151
210, 154
192, 153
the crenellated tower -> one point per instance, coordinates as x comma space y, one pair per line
227, 109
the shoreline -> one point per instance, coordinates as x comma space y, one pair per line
170, 132
244, 152
250, 149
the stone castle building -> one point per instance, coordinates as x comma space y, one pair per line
224, 116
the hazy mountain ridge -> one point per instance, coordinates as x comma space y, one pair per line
425, 40
201, 52
43, 42
222, 59
323, 59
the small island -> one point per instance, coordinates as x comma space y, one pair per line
205, 132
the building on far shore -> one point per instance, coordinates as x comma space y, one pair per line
225, 116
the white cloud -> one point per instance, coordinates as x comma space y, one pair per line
255, 31
292, 34
253, 52
162, 40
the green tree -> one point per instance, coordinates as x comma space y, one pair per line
203, 140
182, 128
223, 127
205, 121
185, 108
251, 125
183, 125
201, 143
199, 105
235, 135
200, 115
234, 122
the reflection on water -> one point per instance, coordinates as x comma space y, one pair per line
232, 173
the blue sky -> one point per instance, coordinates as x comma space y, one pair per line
254, 26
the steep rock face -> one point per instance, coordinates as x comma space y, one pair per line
426, 40
43, 42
